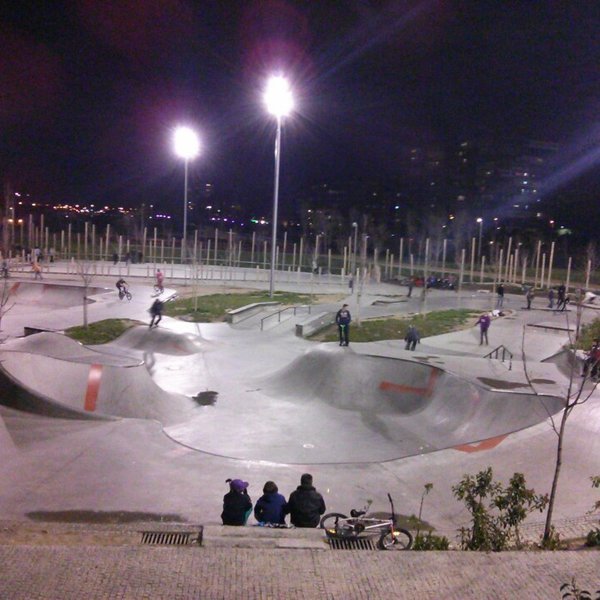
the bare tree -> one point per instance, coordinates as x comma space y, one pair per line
86, 271
5, 304
576, 395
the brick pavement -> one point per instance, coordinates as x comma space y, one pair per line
140, 572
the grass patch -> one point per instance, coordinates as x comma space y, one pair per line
394, 328
100, 332
588, 334
213, 307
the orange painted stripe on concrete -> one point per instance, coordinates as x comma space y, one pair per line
421, 391
14, 287
93, 387
483, 445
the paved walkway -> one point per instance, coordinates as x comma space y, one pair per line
235, 564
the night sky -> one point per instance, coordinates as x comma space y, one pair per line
91, 90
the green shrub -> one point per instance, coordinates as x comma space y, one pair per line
430, 542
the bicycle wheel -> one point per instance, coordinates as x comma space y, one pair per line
330, 521
401, 539
128, 296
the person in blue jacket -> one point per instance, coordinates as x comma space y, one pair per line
270, 507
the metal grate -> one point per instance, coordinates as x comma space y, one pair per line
352, 544
172, 538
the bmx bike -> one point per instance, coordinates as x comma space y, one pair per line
361, 525
125, 294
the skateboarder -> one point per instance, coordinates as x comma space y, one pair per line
156, 311
484, 325
342, 319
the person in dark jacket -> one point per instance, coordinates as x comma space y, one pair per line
305, 505
412, 338
270, 507
342, 319
237, 504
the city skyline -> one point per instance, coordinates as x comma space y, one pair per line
93, 91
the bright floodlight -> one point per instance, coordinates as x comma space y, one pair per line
278, 97
187, 144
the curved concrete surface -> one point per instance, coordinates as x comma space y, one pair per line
315, 410
56, 296
60, 377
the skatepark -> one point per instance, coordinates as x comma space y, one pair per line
154, 422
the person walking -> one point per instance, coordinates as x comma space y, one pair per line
484, 324
156, 311
412, 338
270, 507
160, 278
560, 296
500, 293
237, 504
342, 320
305, 505
551, 298
529, 297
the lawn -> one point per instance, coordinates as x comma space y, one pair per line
100, 332
394, 328
214, 307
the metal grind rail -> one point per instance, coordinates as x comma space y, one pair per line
503, 354
278, 314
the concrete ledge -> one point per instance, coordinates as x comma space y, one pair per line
318, 322
235, 315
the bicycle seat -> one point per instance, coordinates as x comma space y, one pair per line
357, 513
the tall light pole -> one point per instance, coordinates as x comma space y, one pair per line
480, 221
355, 227
279, 101
187, 147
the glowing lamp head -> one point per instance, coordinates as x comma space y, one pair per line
187, 144
278, 97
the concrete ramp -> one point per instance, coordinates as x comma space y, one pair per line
67, 389
50, 295
334, 406
161, 341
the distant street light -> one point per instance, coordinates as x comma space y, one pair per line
480, 221
187, 147
279, 101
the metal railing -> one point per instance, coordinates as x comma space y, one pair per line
501, 353
278, 314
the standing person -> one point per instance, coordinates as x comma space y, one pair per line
560, 295
412, 338
342, 319
160, 280
529, 297
592, 358
115, 258
500, 292
270, 507
484, 324
305, 505
411, 285
156, 311
351, 284
551, 298
37, 270
237, 504
563, 305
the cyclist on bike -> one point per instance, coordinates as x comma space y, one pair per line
159, 281
121, 287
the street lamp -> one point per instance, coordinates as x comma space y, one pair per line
187, 146
279, 101
480, 221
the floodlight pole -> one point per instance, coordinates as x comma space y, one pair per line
275, 205
185, 207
